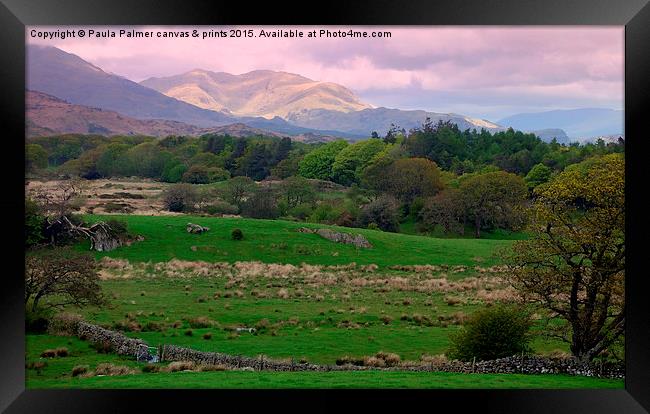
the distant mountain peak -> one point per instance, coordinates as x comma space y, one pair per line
578, 123
263, 92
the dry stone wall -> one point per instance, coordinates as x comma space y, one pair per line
119, 343
124, 345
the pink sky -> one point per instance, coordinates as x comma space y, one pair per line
487, 72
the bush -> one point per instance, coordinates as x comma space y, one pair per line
177, 366
34, 222
261, 205
37, 321
220, 207
325, 213
79, 369
179, 197
109, 369
384, 212
173, 173
237, 234
301, 211
496, 332
199, 174
201, 322
150, 368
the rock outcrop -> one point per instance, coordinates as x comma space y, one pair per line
196, 229
345, 238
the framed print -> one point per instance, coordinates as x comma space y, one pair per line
377, 204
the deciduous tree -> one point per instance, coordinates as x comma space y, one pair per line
494, 199
574, 265
60, 278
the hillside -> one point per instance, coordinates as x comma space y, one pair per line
67, 76
277, 241
578, 123
548, 134
49, 115
380, 119
258, 93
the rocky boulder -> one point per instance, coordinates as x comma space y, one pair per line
196, 229
345, 238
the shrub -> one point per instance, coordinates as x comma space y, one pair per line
173, 173
390, 359
34, 222
219, 207
261, 205
79, 370
201, 322
112, 369
61, 352
199, 174
207, 335
48, 353
452, 300
37, 321
189, 332
374, 362
37, 365
495, 332
384, 212
262, 324
152, 326
150, 368
237, 234
179, 197
301, 211
181, 366
58, 352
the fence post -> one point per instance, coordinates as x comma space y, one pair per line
473, 364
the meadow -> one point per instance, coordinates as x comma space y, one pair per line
308, 299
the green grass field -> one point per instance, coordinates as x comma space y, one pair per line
276, 241
301, 316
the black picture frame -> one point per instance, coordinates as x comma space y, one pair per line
633, 14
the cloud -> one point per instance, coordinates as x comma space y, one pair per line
491, 69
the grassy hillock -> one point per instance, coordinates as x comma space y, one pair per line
277, 241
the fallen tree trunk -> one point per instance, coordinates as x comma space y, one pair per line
102, 238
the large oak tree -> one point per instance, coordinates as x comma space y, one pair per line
574, 265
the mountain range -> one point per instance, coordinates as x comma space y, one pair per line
262, 93
68, 94
579, 124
